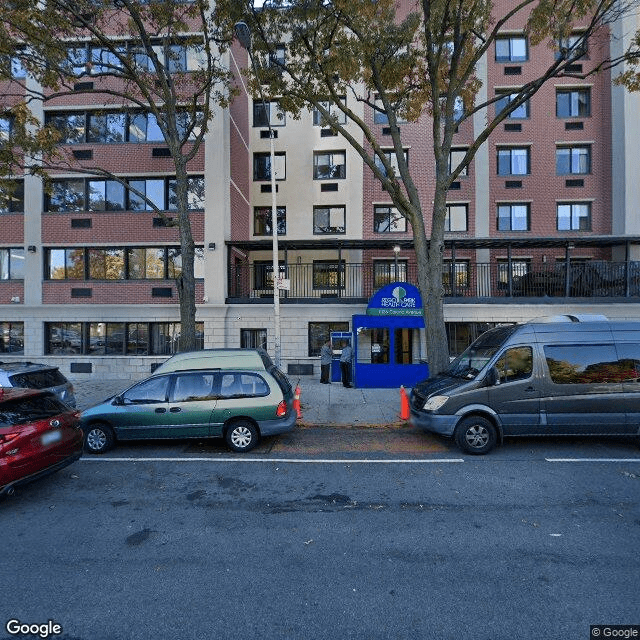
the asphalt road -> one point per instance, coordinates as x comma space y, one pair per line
187, 541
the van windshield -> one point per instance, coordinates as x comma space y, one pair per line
474, 358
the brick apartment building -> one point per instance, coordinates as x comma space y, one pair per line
542, 223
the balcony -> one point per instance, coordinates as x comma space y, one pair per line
462, 280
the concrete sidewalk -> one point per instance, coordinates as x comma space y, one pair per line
322, 404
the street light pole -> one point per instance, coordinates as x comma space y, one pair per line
243, 33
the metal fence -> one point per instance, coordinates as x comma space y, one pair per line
462, 279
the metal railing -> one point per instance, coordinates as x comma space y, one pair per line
464, 279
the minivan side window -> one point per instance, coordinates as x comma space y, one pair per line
587, 364
193, 386
243, 385
515, 364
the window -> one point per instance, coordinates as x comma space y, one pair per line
277, 57
6, 127
573, 160
586, 364
514, 217
387, 219
65, 264
328, 274
457, 273
329, 165
106, 264
106, 195
455, 158
381, 117
262, 221
103, 61
92, 194
13, 65
77, 60
149, 391
385, 272
515, 364
514, 161
519, 113
457, 217
253, 338
193, 386
461, 334
12, 337
11, 196
329, 220
263, 274
574, 216
320, 332
117, 338
574, 47
106, 127
272, 116
71, 126
573, 103
262, 166
12, 264
335, 112
519, 268
391, 158
511, 49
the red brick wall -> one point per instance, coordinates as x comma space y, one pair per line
11, 228
10, 289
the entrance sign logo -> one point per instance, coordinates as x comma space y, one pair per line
396, 299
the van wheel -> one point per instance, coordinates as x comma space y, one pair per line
98, 438
242, 436
475, 435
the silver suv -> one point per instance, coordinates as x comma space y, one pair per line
33, 375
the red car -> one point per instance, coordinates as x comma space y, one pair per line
39, 434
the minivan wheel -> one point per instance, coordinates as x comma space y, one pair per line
242, 436
98, 438
475, 435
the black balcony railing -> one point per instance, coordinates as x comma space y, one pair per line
462, 279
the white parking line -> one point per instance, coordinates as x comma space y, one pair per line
592, 459
280, 460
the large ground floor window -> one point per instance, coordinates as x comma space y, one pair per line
116, 338
320, 332
12, 337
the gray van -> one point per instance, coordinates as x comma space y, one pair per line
565, 375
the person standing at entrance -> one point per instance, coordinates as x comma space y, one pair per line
325, 363
345, 365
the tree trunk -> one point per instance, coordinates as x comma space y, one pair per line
185, 282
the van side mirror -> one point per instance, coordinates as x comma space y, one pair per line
492, 378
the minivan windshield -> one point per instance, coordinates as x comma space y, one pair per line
474, 358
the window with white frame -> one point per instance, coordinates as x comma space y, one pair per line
514, 161
387, 219
329, 165
573, 159
574, 216
514, 216
457, 218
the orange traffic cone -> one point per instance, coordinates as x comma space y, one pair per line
404, 404
296, 401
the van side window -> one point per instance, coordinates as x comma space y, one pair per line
515, 364
587, 364
243, 385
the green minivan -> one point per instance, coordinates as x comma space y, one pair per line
239, 405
